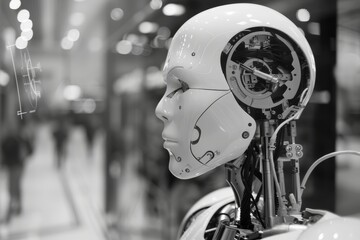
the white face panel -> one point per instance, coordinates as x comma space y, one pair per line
202, 128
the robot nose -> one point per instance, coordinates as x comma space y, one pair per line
161, 112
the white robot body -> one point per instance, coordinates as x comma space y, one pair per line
195, 223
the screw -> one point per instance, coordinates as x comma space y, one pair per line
245, 134
193, 54
298, 147
178, 159
288, 148
289, 155
187, 170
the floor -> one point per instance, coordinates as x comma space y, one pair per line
58, 203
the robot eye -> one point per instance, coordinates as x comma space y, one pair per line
183, 87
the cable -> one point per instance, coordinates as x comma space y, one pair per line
277, 185
303, 95
248, 169
258, 217
272, 148
320, 160
273, 141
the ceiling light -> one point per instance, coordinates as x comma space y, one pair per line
72, 92
14, 4
27, 34
133, 38
164, 32
26, 25
73, 35
21, 43
148, 27
116, 14
76, 19
4, 78
303, 15
124, 47
89, 105
66, 44
23, 15
159, 42
143, 40
137, 50
156, 4
173, 9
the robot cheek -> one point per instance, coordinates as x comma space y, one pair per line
196, 135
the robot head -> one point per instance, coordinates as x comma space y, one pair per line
227, 68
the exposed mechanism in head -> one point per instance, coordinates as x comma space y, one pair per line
269, 76
266, 71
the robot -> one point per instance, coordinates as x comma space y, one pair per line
238, 77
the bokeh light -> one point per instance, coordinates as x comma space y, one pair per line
21, 43
303, 15
73, 35
77, 19
72, 92
26, 25
116, 14
15, 4
173, 9
148, 27
66, 44
124, 47
23, 15
27, 34
156, 4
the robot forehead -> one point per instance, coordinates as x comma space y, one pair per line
187, 49
195, 79
209, 31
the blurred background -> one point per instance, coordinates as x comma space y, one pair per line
79, 82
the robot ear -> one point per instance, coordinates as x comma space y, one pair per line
266, 70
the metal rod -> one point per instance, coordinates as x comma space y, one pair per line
267, 176
265, 76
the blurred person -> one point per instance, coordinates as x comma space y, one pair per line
16, 147
90, 133
60, 135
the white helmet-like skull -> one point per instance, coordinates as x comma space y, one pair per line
227, 68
